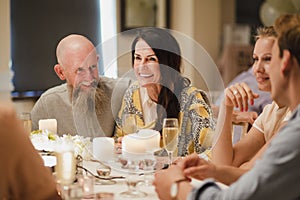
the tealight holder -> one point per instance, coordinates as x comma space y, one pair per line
65, 167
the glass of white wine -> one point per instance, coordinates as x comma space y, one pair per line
128, 124
26, 119
170, 136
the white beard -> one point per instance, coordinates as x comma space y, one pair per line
84, 114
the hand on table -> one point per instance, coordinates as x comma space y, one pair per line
239, 95
164, 179
195, 167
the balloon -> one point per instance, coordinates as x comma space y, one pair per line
268, 14
285, 6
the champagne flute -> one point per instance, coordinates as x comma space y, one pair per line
128, 123
170, 136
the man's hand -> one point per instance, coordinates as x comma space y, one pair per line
164, 179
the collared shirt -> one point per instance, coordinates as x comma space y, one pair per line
149, 107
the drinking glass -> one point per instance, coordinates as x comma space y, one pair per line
170, 136
65, 167
133, 179
129, 124
148, 166
26, 119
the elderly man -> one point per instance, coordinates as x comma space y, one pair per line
277, 174
83, 105
22, 171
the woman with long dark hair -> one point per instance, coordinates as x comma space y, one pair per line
162, 92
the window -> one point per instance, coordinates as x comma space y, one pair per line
36, 28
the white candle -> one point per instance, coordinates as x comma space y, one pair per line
103, 148
65, 167
151, 139
133, 144
48, 124
145, 140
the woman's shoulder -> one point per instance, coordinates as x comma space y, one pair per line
193, 91
133, 86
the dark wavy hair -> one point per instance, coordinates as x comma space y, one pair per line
167, 50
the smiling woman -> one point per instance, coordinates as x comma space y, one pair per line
162, 92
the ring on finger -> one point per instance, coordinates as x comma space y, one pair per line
235, 92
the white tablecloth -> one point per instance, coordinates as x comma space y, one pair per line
120, 185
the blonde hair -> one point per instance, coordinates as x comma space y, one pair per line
268, 31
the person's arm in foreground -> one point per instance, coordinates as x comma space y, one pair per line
238, 116
195, 167
23, 176
276, 176
223, 152
164, 179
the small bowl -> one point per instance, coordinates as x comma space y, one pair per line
103, 172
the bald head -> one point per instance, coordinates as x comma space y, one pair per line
77, 60
73, 44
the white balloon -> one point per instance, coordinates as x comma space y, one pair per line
268, 14
283, 5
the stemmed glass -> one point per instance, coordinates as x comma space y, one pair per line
148, 164
170, 136
133, 178
128, 124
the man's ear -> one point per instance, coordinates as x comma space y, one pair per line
286, 62
59, 71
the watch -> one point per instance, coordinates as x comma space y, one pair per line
174, 187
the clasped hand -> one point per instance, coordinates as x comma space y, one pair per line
240, 95
191, 166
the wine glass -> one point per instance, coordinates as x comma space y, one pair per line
128, 123
170, 136
148, 164
132, 178
26, 119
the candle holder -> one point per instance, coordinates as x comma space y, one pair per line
65, 167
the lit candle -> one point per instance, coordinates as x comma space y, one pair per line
48, 124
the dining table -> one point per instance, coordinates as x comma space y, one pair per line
118, 184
